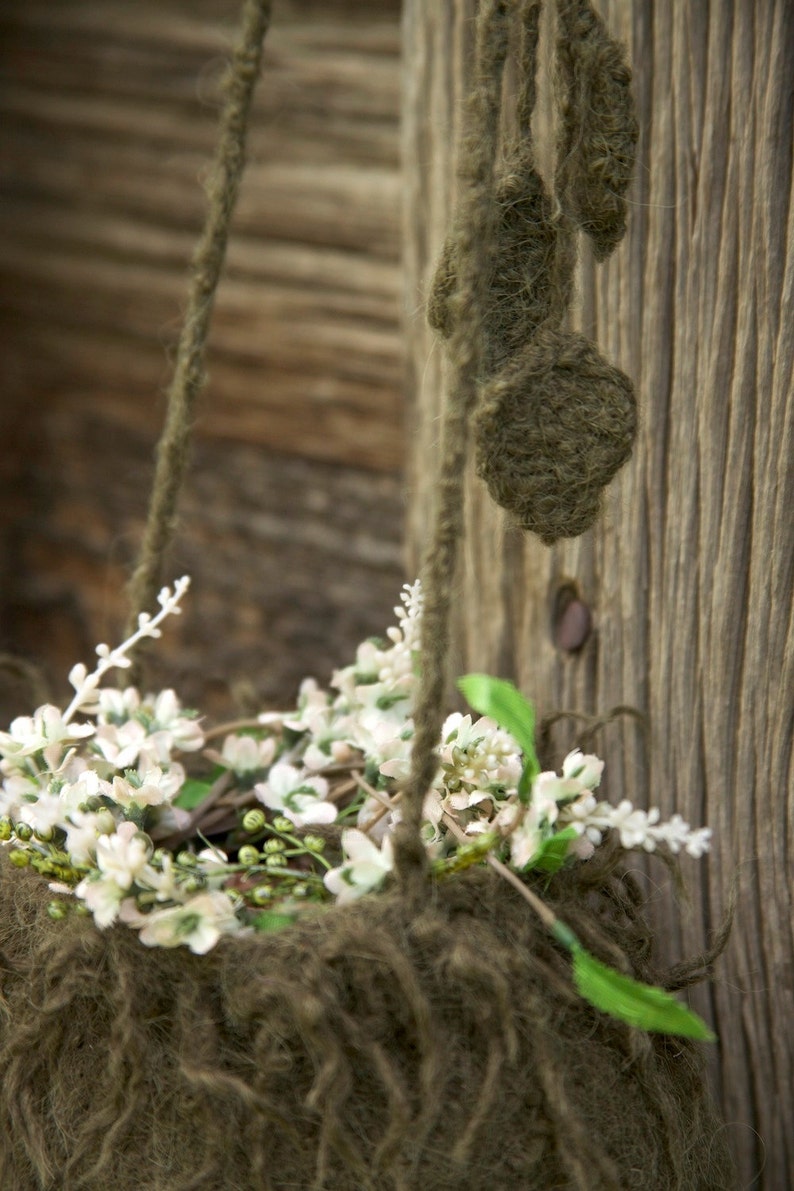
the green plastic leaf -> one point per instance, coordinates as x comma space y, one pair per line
192, 794
641, 1005
271, 921
500, 700
553, 852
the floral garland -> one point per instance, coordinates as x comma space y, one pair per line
96, 798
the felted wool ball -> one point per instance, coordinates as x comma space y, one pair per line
552, 429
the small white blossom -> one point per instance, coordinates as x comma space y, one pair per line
28, 735
83, 830
115, 706
365, 868
121, 856
477, 758
586, 769
86, 684
152, 787
298, 795
121, 744
102, 895
245, 754
171, 728
87, 787
44, 814
197, 924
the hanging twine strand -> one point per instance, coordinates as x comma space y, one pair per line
474, 235
189, 374
526, 96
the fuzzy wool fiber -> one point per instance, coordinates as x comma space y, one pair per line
372, 1048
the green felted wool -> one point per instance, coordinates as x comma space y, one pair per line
519, 297
375, 1047
552, 429
599, 127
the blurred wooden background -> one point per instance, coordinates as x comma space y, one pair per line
688, 574
292, 518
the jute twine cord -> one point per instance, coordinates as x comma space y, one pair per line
189, 374
473, 238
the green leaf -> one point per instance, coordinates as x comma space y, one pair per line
553, 852
271, 921
192, 794
501, 701
641, 1005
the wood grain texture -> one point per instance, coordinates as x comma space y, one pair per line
689, 572
108, 118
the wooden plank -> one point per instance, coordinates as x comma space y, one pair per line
291, 519
279, 548
689, 572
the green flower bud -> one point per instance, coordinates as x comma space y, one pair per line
186, 860
45, 834
5, 829
57, 911
82, 909
314, 843
248, 855
195, 883
19, 858
23, 832
275, 845
157, 857
283, 824
253, 820
274, 861
262, 895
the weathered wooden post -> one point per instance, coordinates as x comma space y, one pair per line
688, 574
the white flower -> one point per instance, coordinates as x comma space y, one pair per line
314, 710
477, 755
153, 787
83, 830
246, 754
86, 684
586, 769
548, 790
121, 744
172, 728
43, 814
115, 706
30, 734
103, 897
161, 881
198, 923
632, 825
525, 838
385, 744
392, 666
87, 786
146, 732
17, 789
297, 795
365, 868
121, 856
